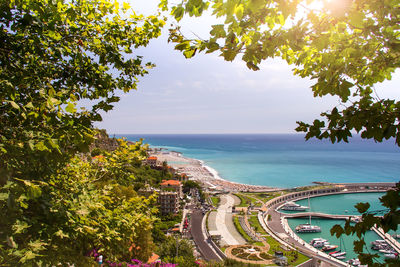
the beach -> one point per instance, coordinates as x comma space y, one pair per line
207, 176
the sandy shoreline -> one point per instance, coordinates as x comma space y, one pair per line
198, 171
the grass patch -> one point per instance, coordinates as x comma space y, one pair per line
241, 231
215, 201
244, 201
300, 259
253, 221
260, 244
264, 197
294, 257
273, 244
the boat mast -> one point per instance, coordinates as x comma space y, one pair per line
309, 208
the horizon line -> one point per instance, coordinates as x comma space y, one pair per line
204, 133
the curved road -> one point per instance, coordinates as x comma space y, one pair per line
197, 233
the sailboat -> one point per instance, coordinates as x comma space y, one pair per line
340, 255
308, 228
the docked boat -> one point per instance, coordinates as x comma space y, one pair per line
329, 247
340, 257
392, 255
378, 242
334, 252
292, 206
338, 254
307, 228
320, 244
387, 251
316, 239
354, 262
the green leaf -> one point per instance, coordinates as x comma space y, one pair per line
41, 146
337, 230
20, 227
29, 255
189, 53
178, 12
356, 19
239, 9
14, 105
218, 31
182, 46
61, 234
362, 207
3, 196
71, 107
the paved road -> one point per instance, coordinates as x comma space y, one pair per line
199, 238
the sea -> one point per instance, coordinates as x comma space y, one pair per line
284, 160
340, 204
287, 161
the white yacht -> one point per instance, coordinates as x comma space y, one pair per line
308, 228
292, 206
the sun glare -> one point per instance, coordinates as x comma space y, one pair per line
334, 7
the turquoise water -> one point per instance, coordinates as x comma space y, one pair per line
326, 225
343, 203
338, 204
286, 160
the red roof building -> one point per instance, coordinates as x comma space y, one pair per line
172, 184
152, 161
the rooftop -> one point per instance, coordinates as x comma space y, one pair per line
171, 182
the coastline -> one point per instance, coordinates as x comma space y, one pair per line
197, 170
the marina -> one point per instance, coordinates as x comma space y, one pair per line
344, 249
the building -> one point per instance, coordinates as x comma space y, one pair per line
152, 161
169, 202
172, 185
167, 199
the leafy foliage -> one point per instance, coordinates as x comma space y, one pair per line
177, 251
86, 205
56, 205
54, 54
346, 47
389, 221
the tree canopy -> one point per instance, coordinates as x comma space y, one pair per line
344, 46
56, 203
53, 55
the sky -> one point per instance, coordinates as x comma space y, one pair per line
206, 94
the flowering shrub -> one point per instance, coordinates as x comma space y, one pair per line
135, 263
